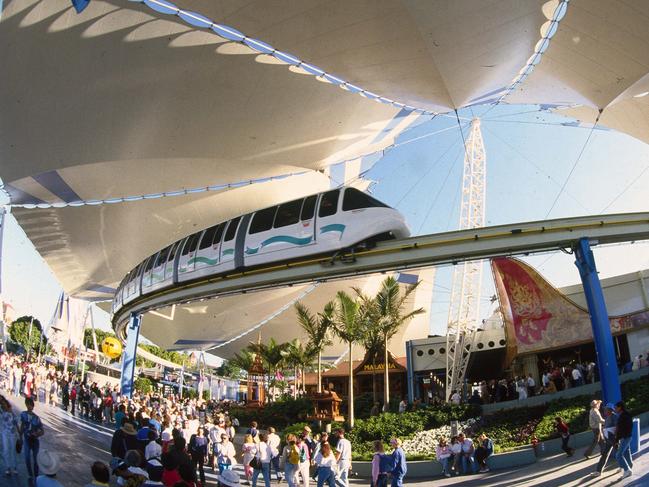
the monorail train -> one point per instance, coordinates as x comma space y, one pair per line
284, 232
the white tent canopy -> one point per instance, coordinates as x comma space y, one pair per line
125, 100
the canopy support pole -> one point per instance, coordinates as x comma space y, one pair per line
606, 361
130, 352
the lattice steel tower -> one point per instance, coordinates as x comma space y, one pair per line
464, 311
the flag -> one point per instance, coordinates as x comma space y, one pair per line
80, 5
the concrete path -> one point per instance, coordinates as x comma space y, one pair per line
79, 443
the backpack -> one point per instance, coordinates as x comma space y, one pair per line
294, 455
385, 463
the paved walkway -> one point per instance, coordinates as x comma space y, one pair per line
80, 443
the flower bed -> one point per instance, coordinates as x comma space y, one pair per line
509, 429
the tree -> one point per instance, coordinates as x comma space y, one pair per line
143, 385
243, 361
317, 329
347, 326
299, 357
387, 311
271, 355
88, 341
19, 333
229, 369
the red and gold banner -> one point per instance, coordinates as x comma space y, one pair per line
538, 317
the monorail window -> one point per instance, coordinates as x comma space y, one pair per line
329, 203
149, 263
355, 200
135, 273
218, 234
308, 208
190, 243
174, 249
263, 220
209, 236
288, 214
232, 229
162, 256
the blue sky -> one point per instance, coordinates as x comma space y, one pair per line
529, 156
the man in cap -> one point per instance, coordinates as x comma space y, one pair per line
595, 422
608, 432
48, 465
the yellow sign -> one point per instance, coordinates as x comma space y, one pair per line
381, 366
111, 347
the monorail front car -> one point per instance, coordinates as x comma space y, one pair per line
318, 224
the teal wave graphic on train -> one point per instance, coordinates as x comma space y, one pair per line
334, 227
279, 239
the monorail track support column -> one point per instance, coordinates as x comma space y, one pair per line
129, 354
606, 361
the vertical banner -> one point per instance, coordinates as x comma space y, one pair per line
128, 356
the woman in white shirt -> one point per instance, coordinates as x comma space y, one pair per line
443, 453
248, 451
326, 462
264, 455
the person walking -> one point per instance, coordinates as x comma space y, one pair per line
595, 422
564, 431
291, 460
623, 439
326, 462
399, 468
344, 457
248, 452
9, 432
31, 429
225, 454
381, 466
262, 466
198, 452
608, 432
274, 443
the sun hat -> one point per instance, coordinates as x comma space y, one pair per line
307, 428
48, 462
229, 477
129, 429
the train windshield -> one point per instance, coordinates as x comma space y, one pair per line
355, 200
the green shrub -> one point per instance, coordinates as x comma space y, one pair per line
279, 414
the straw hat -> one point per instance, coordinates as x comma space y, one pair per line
129, 429
48, 462
229, 477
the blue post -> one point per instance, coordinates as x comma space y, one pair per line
410, 373
128, 357
606, 362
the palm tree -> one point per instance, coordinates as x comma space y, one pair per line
299, 357
388, 312
318, 330
243, 360
371, 338
272, 356
347, 326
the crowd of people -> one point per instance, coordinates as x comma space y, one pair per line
170, 441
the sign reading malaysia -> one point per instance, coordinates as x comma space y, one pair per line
538, 317
372, 368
